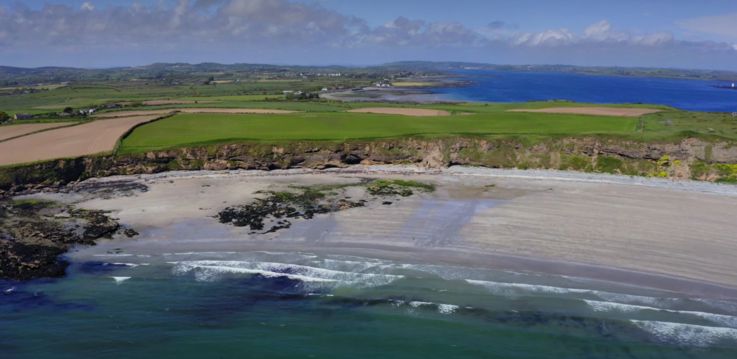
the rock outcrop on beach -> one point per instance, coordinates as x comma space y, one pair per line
690, 158
276, 210
34, 234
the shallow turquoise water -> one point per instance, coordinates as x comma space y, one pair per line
290, 305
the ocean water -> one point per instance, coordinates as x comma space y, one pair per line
509, 86
304, 305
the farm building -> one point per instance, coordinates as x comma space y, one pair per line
22, 116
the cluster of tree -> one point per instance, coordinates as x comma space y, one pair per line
299, 95
4, 117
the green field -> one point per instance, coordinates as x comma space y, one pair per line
89, 95
322, 120
468, 120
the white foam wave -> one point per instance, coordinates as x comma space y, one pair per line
506, 288
417, 304
686, 334
198, 253
210, 270
131, 265
631, 298
442, 308
447, 308
120, 280
600, 306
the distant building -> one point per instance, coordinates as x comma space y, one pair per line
22, 116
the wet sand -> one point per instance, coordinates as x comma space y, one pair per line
670, 235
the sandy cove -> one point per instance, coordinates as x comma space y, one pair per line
669, 235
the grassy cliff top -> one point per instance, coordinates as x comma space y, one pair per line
330, 122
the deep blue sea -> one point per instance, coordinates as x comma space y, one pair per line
507, 86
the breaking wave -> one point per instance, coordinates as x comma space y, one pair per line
441, 308
208, 270
721, 319
686, 334
511, 289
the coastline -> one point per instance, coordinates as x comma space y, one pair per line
176, 215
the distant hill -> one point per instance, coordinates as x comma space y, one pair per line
591, 70
192, 73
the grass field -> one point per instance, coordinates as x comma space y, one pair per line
189, 129
467, 119
86, 95
331, 121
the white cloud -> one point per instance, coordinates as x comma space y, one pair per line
545, 38
598, 30
201, 27
406, 32
88, 6
603, 31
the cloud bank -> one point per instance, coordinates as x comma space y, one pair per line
284, 31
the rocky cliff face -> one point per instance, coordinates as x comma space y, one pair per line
690, 158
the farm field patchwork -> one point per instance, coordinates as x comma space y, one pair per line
75, 141
11, 131
192, 110
280, 121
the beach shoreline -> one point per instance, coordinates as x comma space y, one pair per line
177, 214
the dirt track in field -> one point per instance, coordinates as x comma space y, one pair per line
11, 131
75, 141
416, 112
594, 111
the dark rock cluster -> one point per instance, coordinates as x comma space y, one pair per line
35, 234
278, 207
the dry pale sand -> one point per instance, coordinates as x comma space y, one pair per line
562, 225
594, 111
12, 131
193, 110
416, 112
75, 141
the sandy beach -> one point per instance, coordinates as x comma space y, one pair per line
669, 235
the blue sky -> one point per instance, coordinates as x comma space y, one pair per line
99, 33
